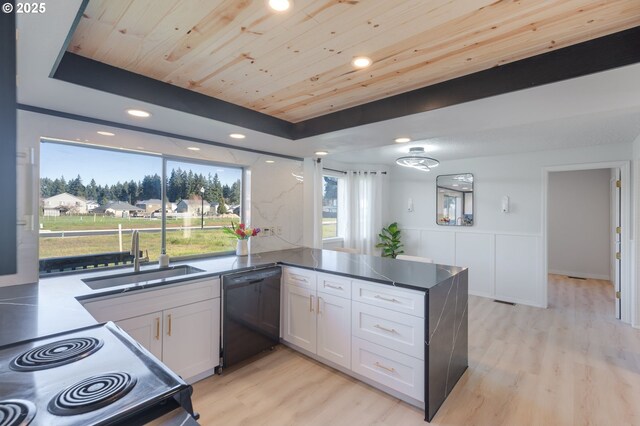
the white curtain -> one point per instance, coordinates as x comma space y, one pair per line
363, 201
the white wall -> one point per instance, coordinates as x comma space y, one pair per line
274, 195
502, 250
579, 223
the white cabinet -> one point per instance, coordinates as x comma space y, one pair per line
333, 332
316, 321
300, 317
179, 324
190, 342
146, 330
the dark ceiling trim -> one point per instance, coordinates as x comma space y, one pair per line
54, 113
67, 40
97, 75
601, 54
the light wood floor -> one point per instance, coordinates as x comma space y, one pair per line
571, 364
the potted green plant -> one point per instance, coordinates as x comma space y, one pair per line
390, 241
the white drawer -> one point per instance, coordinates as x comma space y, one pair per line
401, 332
300, 277
141, 302
395, 370
387, 296
334, 284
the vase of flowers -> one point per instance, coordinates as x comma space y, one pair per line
242, 233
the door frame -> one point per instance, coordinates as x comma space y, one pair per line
627, 293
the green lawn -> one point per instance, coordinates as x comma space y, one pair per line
329, 228
76, 223
179, 243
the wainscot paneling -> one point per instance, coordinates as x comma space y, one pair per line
501, 266
518, 269
477, 252
439, 246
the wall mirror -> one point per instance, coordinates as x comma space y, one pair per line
454, 201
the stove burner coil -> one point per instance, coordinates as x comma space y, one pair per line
91, 394
55, 354
16, 412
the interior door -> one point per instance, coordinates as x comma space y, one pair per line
618, 240
146, 330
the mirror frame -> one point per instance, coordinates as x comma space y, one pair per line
473, 209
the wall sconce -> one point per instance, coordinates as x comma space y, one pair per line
505, 204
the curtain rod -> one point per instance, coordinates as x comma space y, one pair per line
343, 172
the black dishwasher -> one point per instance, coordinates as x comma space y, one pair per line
251, 314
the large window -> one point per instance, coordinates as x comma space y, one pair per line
330, 206
203, 198
92, 199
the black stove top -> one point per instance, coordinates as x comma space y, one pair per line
16, 412
55, 354
92, 376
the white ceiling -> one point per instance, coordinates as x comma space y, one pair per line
602, 108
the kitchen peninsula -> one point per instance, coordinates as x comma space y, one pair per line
432, 297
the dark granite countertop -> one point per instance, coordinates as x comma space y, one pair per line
32, 310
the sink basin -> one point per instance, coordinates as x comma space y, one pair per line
140, 277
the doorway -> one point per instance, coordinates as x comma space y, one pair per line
585, 237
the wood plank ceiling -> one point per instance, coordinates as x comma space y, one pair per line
297, 65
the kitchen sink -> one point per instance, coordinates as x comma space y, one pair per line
140, 277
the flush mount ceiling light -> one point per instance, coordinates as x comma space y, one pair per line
418, 160
402, 140
103, 133
279, 5
321, 152
237, 136
361, 61
193, 148
138, 113
269, 161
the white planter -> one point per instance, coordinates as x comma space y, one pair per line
242, 247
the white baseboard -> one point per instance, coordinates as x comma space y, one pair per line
580, 274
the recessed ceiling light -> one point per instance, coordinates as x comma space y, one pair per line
455, 184
193, 148
361, 61
269, 161
103, 133
321, 153
138, 113
237, 136
402, 140
279, 5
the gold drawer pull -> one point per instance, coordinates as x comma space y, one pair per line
377, 296
384, 367
390, 330
158, 328
169, 331
337, 287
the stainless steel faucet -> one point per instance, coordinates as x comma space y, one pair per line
135, 251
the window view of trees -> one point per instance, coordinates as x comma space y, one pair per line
114, 193
330, 207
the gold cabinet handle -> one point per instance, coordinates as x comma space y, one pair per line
310, 303
157, 328
384, 367
377, 296
319, 299
390, 330
169, 328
